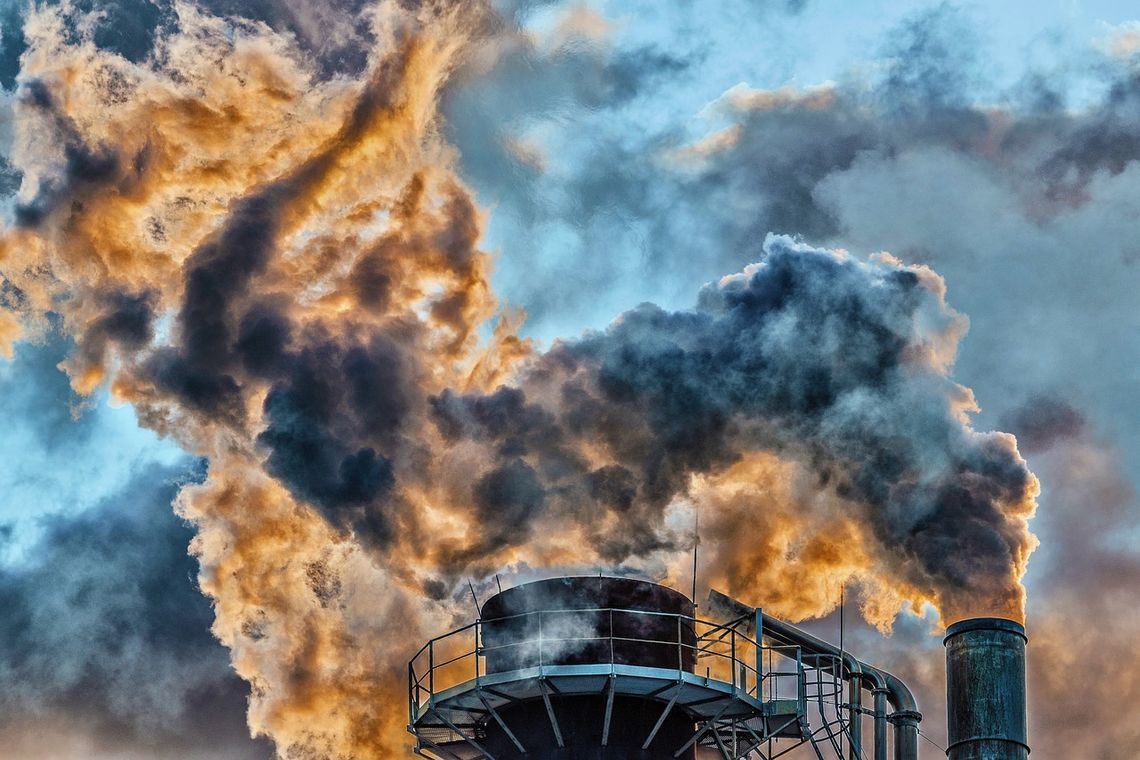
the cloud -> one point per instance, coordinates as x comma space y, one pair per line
105, 631
337, 36
1121, 40
55, 462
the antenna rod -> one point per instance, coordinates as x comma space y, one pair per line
696, 542
498, 584
842, 666
842, 590
474, 598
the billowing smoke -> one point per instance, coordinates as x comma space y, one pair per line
279, 267
835, 367
276, 268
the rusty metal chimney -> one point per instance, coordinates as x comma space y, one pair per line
985, 690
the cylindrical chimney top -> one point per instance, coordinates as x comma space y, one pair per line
590, 621
985, 690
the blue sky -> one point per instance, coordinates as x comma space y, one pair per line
63, 454
1001, 46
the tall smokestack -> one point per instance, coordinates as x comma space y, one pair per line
985, 690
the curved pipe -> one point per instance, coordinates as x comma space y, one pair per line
863, 675
905, 717
897, 692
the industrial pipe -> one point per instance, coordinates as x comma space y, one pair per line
905, 718
855, 698
882, 684
985, 690
880, 723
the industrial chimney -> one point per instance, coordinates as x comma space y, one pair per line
599, 668
574, 625
985, 690
587, 668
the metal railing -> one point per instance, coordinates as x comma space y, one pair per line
606, 636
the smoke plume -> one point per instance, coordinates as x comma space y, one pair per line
808, 366
280, 268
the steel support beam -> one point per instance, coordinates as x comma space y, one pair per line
703, 730
609, 710
502, 724
661, 721
478, 747
542, 685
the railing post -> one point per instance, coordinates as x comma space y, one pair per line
801, 682
759, 649
476, 652
611, 639
680, 660
540, 663
732, 659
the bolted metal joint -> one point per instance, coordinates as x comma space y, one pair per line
905, 717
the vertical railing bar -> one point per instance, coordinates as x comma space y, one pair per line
759, 629
776, 679
611, 641
801, 686
680, 666
732, 660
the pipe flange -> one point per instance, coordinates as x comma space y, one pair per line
903, 717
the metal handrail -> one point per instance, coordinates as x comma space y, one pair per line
736, 652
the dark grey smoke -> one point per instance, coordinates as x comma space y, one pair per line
124, 318
669, 394
337, 404
1042, 421
326, 420
807, 355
